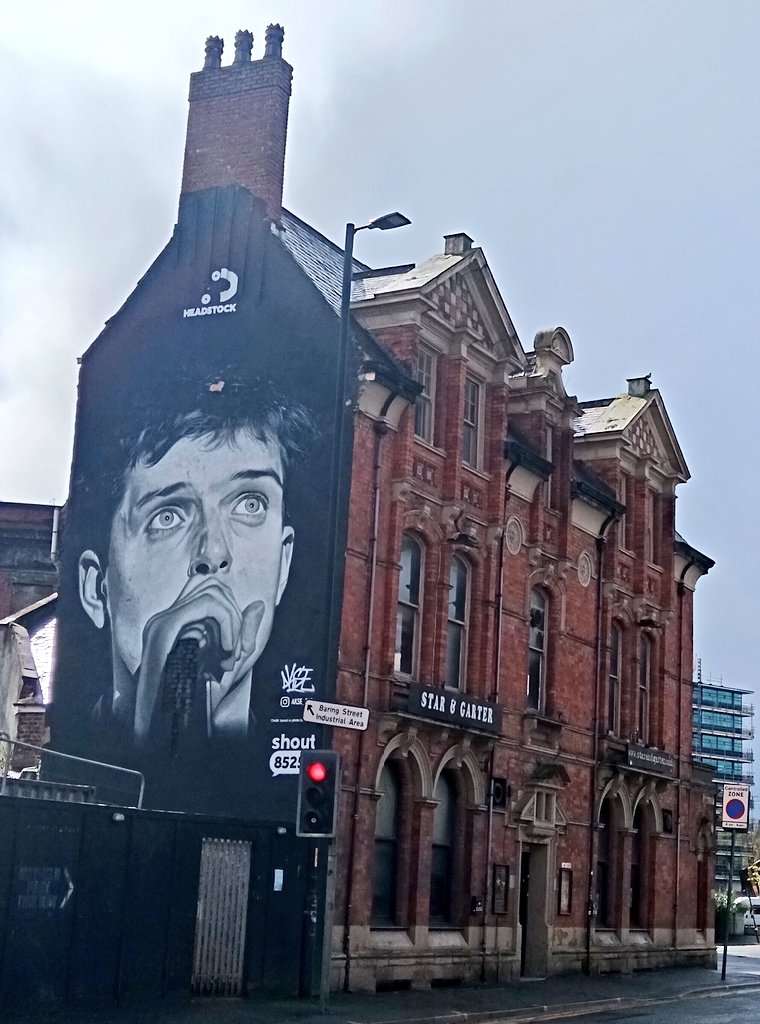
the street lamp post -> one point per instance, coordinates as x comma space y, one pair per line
385, 223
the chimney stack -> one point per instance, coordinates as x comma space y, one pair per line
457, 245
639, 387
237, 122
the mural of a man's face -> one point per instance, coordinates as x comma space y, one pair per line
198, 550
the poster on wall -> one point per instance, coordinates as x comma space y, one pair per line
194, 613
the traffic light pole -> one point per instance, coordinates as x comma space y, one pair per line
729, 903
324, 981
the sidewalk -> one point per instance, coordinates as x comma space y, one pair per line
542, 999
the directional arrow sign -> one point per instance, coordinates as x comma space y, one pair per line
43, 888
735, 806
345, 716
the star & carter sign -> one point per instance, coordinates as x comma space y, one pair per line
455, 708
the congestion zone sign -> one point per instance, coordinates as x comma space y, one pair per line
735, 807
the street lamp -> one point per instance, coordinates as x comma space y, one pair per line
385, 223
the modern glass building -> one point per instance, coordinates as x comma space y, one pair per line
722, 720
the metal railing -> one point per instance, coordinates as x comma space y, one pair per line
42, 751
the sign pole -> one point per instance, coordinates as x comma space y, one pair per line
729, 903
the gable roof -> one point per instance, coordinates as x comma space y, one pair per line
640, 421
457, 289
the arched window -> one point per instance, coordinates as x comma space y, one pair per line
442, 860
408, 608
536, 687
645, 676
613, 679
642, 830
387, 817
456, 639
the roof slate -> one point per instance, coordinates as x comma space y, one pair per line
417, 277
322, 261
317, 256
608, 416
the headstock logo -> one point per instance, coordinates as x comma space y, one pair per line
223, 304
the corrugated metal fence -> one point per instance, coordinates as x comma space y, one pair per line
220, 925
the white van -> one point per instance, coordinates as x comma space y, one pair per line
751, 924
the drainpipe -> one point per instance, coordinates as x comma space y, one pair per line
498, 612
487, 886
679, 749
54, 536
381, 429
600, 542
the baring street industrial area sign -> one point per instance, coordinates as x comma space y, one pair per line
345, 716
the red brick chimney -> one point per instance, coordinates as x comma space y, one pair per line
237, 123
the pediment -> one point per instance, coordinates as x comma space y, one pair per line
465, 298
650, 435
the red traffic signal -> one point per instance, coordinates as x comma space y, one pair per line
318, 788
316, 771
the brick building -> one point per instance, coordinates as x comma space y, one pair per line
28, 580
28, 534
517, 615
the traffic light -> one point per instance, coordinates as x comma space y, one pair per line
318, 787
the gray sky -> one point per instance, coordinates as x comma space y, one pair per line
604, 154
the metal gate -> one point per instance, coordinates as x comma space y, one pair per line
220, 922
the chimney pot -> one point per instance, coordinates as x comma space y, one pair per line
243, 46
214, 47
273, 41
457, 245
639, 387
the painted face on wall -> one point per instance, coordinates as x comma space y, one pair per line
199, 551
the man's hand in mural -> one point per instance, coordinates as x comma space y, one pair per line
205, 612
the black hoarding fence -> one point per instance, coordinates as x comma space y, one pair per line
99, 904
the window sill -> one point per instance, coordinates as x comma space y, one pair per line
544, 719
482, 474
430, 447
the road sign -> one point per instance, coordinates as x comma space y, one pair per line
345, 716
735, 807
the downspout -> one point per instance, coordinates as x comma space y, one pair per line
54, 536
679, 749
498, 612
381, 429
600, 542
